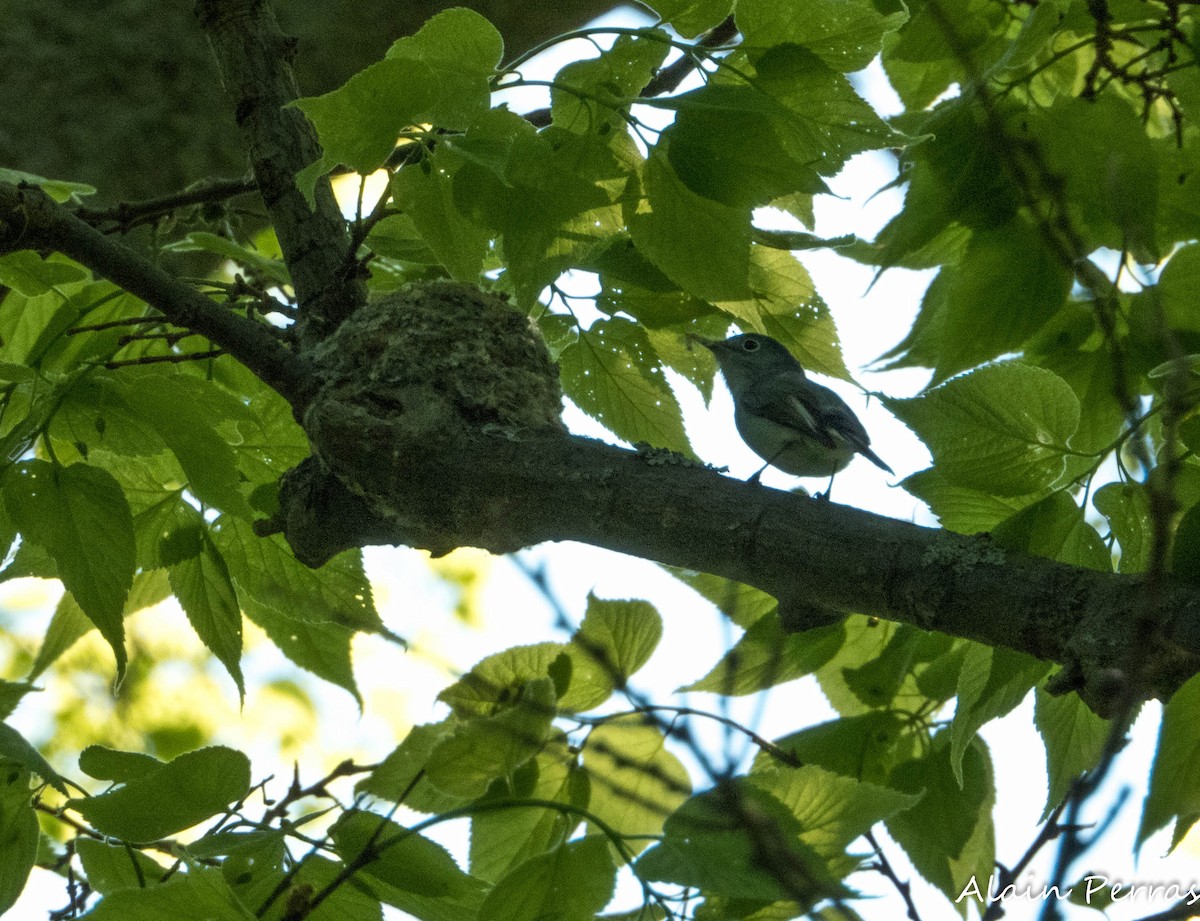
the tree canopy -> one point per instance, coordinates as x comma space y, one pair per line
225, 393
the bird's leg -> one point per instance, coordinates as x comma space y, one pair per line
824, 497
758, 474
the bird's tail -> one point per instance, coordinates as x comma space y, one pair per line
875, 459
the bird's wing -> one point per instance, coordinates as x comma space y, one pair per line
793, 401
782, 398
838, 416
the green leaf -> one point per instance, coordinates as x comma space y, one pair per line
967, 511
482, 748
1055, 528
322, 648
14, 748
878, 681
401, 776
505, 834
179, 794
29, 273
69, 623
499, 679
593, 96
621, 635
784, 304
265, 570
397, 238
254, 868
571, 883
274, 270
1126, 507
18, 832
15, 373
360, 121
426, 193
11, 693
110, 867
81, 517
956, 176
1074, 737
1007, 285
30, 326
861, 747
1099, 151
742, 604
121, 767
730, 144
832, 810
200, 893
356, 902
716, 842
93, 412
462, 50
1003, 429
1173, 792
865, 642
1185, 547
613, 374
205, 456
1041, 25
826, 121
991, 684
635, 781
691, 17
206, 594
558, 332
767, 656
943, 45
404, 859
701, 245
537, 194
1090, 375
845, 35
59, 189
948, 835
1177, 288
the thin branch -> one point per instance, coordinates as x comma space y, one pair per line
125, 216
884, 866
1050, 830
175, 358
668, 79
30, 219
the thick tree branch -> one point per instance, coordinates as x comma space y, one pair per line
501, 494
254, 59
30, 219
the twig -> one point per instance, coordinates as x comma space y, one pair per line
1050, 830
666, 80
884, 866
173, 359
30, 219
125, 216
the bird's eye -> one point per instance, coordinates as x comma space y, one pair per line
749, 345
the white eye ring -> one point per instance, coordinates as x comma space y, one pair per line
750, 345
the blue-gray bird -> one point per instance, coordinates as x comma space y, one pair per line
790, 422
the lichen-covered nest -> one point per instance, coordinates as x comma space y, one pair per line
442, 356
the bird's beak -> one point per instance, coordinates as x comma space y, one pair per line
710, 344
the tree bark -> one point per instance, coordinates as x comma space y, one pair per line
254, 59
